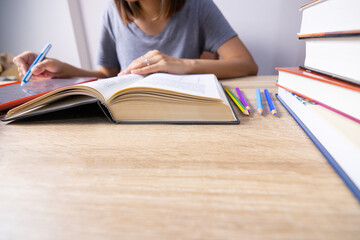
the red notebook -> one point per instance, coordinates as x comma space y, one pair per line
12, 94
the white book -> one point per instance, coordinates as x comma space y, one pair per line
339, 135
332, 93
329, 16
337, 56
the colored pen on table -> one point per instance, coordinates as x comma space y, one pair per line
259, 102
243, 100
270, 102
237, 102
39, 58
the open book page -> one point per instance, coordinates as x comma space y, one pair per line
205, 85
222, 94
109, 86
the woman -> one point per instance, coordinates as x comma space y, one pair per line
148, 36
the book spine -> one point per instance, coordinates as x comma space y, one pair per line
106, 111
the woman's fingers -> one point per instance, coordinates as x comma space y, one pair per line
155, 61
149, 69
45, 69
23, 62
156, 64
146, 60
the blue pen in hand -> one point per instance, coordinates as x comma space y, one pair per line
39, 58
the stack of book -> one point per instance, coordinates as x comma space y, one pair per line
323, 95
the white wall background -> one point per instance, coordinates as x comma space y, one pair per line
268, 29
30, 24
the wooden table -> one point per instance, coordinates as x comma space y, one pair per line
83, 177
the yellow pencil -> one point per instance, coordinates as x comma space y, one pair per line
237, 102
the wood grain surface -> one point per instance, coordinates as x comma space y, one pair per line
75, 175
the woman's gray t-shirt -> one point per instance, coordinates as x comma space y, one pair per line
199, 26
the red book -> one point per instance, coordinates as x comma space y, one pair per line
12, 94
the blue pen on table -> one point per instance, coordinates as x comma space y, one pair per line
259, 102
39, 58
270, 102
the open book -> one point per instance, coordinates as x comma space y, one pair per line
158, 97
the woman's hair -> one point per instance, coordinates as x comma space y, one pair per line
130, 10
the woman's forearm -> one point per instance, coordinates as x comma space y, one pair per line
229, 68
72, 71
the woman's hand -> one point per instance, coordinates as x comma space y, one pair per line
235, 61
156, 61
48, 68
